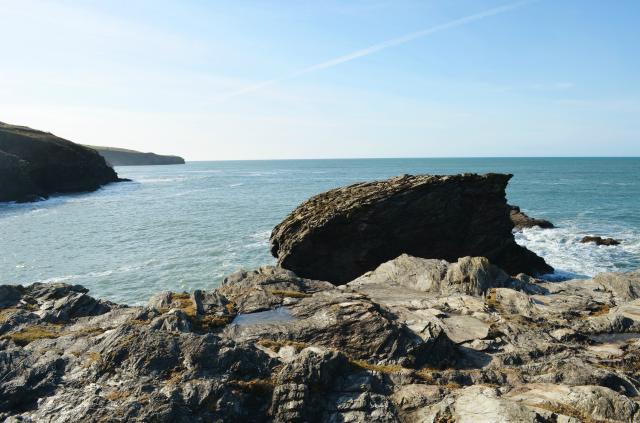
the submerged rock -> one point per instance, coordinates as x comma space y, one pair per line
341, 234
598, 240
521, 220
35, 164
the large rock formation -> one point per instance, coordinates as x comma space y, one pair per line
340, 234
35, 164
415, 340
124, 157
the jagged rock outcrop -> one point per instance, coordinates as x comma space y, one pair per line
35, 164
598, 240
415, 340
469, 275
125, 157
340, 234
521, 220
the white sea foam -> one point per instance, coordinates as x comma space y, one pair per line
67, 278
260, 239
99, 274
263, 173
562, 249
262, 235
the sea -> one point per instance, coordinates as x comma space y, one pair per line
184, 227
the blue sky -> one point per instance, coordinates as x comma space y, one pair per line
298, 79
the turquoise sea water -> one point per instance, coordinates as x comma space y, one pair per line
184, 227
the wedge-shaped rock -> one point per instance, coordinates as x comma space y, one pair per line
338, 235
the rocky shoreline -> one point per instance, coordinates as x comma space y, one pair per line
399, 344
412, 339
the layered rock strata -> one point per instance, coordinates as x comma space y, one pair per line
414, 340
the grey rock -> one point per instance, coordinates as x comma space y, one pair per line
267, 288
469, 275
581, 402
623, 286
598, 240
522, 221
414, 340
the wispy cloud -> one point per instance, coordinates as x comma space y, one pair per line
380, 46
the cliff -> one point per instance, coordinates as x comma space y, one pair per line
36, 164
124, 157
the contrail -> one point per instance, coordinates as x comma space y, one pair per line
381, 46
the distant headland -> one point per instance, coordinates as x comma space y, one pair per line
124, 157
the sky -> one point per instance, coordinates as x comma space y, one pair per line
221, 80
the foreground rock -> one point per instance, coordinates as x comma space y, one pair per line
340, 234
415, 340
598, 240
522, 221
124, 157
35, 164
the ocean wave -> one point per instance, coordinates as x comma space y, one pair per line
263, 173
259, 239
99, 274
562, 249
67, 278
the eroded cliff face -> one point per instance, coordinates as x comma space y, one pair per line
415, 340
340, 234
36, 164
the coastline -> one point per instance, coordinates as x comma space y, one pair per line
409, 340
215, 218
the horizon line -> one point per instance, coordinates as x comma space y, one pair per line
408, 158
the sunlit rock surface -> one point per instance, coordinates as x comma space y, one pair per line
414, 340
